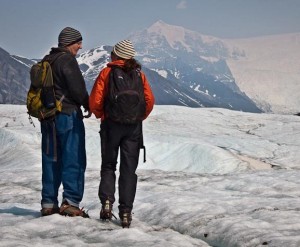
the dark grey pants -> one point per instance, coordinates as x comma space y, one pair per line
127, 138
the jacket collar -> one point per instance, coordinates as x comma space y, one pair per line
116, 63
58, 49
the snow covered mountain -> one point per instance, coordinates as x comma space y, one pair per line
196, 60
166, 92
266, 69
15, 82
217, 87
176, 52
187, 68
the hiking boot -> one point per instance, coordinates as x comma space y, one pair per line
126, 218
106, 211
68, 210
49, 211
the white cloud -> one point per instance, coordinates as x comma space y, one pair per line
182, 5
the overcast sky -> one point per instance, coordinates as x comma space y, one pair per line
30, 27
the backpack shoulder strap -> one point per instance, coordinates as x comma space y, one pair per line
115, 72
116, 67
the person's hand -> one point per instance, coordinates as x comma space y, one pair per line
89, 114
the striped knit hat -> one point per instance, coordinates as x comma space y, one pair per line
68, 36
124, 49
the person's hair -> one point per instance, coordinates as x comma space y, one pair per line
131, 64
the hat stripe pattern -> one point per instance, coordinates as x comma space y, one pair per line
124, 49
68, 36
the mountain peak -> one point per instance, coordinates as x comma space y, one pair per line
160, 22
173, 34
162, 27
177, 34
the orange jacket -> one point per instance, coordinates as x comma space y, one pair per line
100, 90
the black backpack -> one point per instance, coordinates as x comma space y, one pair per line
125, 101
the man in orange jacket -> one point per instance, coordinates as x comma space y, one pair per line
115, 135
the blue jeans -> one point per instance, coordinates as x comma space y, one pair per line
63, 159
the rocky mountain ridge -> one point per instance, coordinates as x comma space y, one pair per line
187, 68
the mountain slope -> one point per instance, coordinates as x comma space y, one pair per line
170, 90
197, 61
14, 78
187, 68
269, 71
266, 69
166, 92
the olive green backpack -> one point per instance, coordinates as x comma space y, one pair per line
41, 101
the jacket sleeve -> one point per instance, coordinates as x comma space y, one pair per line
76, 83
149, 97
98, 93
